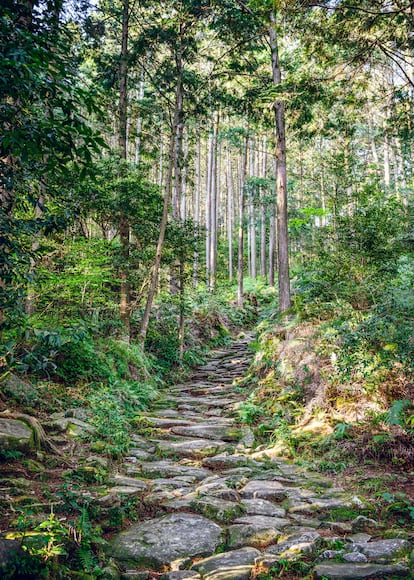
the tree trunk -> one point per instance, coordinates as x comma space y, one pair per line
197, 203
213, 206
230, 212
139, 122
124, 302
240, 256
168, 192
208, 206
281, 180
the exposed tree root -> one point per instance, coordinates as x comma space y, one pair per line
41, 439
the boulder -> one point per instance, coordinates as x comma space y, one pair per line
15, 435
17, 389
158, 542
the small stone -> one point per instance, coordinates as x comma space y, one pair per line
97, 461
109, 500
355, 557
331, 554
234, 565
123, 481
296, 546
337, 527
270, 490
71, 426
138, 453
78, 413
360, 538
364, 524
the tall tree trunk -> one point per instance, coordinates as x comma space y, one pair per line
213, 206
281, 180
124, 303
168, 192
240, 249
197, 202
208, 205
386, 156
139, 122
263, 213
230, 212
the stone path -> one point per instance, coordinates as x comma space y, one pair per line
221, 511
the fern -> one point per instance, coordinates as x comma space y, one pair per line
86, 559
396, 414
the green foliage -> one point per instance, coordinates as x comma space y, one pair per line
250, 412
401, 413
56, 548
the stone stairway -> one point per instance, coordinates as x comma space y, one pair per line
220, 511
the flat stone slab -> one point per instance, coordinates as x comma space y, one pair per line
234, 565
139, 454
191, 447
270, 490
262, 507
334, 571
319, 505
163, 484
258, 531
217, 487
168, 422
240, 535
125, 490
160, 541
122, 480
210, 431
226, 461
383, 551
15, 435
202, 401
264, 521
222, 510
168, 468
296, 545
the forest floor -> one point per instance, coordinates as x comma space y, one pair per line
210, 504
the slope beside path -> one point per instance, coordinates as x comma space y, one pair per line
217, 510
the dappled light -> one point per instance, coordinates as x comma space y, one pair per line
206, 290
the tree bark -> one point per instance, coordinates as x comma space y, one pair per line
230, 212
168, 192
124, 301
240, 256
197, 203
281, 179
